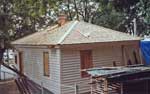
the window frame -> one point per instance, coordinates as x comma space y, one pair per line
46, 70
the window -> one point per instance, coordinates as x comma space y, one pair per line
46, 63
86, 61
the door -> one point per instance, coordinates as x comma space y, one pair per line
86, 61
138, 87
21, 61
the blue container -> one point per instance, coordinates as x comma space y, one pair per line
145, 48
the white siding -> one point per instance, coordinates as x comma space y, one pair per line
33, 67
105, 56
65, 66
70, 66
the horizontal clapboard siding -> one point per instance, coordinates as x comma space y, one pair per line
105, 56
70, 66
65, 66
33, 67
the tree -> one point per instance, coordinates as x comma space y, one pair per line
107, 16
143, 10
100, 12
135, 9
4, 26
79, 9
19, 18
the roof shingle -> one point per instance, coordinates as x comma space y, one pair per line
74, 32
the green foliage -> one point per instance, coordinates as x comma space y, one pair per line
108, 17
19, 18
135, 9
143, 9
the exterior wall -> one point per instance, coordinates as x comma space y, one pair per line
128, 51
70, 72
105, 56
70, 65
33, 67
65, 65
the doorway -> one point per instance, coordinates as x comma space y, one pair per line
138, 87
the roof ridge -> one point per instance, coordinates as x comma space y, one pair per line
50, 28
67, 32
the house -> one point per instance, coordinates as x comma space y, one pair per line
56, 55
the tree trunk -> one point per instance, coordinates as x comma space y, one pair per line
70, 16
76, 9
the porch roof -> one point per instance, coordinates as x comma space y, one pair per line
121, 74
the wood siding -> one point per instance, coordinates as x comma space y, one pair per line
33, 67
65, 68
70, 65
105, 56
132, 53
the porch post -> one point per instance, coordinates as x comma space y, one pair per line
0, 71
76, 89
121, 88
105, 86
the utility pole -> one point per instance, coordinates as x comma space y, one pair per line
134, 27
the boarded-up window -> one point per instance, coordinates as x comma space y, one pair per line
46, 63
86, 61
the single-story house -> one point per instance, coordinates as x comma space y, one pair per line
56, 55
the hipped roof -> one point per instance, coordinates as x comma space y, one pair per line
74, 32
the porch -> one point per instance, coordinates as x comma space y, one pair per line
120, 80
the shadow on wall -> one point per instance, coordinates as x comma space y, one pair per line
46, 92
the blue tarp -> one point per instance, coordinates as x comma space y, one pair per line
145, 48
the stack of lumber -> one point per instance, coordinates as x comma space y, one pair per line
8, 87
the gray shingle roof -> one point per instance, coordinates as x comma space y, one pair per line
74, 32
